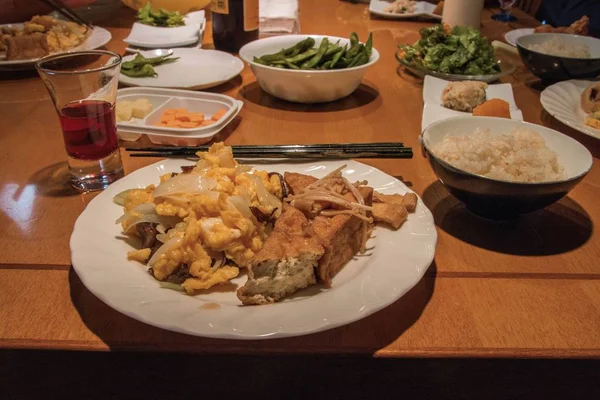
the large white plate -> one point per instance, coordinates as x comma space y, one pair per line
155, 37
512, 36
434, 110
195, 69
98, 38
422, 10
367, 284
563, 101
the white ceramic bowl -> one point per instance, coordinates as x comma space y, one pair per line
496, 199
303, 86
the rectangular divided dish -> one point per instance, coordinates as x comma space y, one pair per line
162, 99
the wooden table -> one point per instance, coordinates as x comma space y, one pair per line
524, 289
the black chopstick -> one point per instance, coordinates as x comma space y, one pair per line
67, 11
404, 153
326, 146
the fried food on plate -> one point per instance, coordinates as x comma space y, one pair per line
464, 95
579, 27
40, 36
590, 98
333, 219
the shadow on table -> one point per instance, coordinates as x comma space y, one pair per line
226, 86
559, 228
363, 95
365, 336
53, 181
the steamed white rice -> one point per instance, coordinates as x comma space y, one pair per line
558, 47
520, 156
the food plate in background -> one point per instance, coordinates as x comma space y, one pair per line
366, 284
506, 68
563, 101
98, 38
154, 37
512, 36
161, 99
195, 69
433, 109
422, 10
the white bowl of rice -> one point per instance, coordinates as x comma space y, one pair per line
500, 167
559, 56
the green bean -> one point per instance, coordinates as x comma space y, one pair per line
353, 39
259, 61
369, 44
314, 61
326, 65
337, 57
356, 59
290, 65
302, 56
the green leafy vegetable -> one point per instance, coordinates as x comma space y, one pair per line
462, 51
328, 55
141, 66
161, 17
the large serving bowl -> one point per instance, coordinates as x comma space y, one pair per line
551, 68
496, 199
303, 86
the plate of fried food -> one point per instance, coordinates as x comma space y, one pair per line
579, 27
449, 99
575, 103
21, 45
405, 9
224, 249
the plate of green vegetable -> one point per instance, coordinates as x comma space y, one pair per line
165, 29
459, 54
182, 68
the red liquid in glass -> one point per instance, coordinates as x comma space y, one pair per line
89, 129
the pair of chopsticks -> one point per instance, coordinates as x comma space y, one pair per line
333, 151
67, 11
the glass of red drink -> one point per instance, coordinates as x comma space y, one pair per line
83, 86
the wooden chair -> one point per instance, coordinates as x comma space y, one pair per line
531, 7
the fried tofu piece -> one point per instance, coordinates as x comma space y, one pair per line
296, 182
387, 198
409, 201
26, 47
391, 214
286, 263
341, 237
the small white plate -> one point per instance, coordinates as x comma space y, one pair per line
154, 37
422, 10
367, 284
98, 38
195, 69
512, 36
434, 110
563, 101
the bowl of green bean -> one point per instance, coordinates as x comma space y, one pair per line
309, 68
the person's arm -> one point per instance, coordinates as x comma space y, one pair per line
21, 10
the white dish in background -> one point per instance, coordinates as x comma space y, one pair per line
303, 86
563, 101
154, 37
365, 285
433, 109
422, 10
98, 38
207, 103
512, 36
195, 69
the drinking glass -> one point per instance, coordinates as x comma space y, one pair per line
505, 9
83, 87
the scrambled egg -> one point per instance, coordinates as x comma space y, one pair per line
212, 222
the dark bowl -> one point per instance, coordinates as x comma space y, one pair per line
496, 199
551, 68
